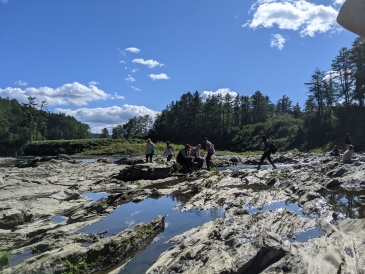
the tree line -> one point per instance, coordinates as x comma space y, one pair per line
335, 105
21, 124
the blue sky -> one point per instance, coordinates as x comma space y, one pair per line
105, 62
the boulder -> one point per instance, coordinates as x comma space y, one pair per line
144, 172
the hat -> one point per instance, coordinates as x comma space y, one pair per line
149, 139
187, 146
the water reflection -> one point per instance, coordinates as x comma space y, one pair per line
347, 202
176, 223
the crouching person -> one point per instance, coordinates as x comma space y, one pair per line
185, 159
195, 152
347, 156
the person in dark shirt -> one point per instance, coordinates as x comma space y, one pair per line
348, 141
267, 153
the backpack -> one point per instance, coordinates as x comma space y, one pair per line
211, 149
154, 151
273, 148
180, 158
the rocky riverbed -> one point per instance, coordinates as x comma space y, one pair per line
288, 220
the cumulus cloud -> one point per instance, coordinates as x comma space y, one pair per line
296, 15
21, 83
161, 76
130, 79
68, 94
135, 88
94, 83
150, 63
122, 62
134, 50
109, 117
277, 41
222, 91
134, 70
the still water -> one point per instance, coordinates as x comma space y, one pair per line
176, 223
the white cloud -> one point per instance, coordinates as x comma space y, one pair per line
122, 62
68, 94
134, 50
222, 91
130, 79
21, 83
109, 117
150, 63
277, 41
134, 70
94, 83
161, 76
338, 2
297, 15
4, 1
135, 88
117, 96
126, 68
135, 212
130, 223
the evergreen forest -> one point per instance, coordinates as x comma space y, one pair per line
21, 124
334, 106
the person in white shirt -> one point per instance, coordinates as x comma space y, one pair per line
347, 156
169, 151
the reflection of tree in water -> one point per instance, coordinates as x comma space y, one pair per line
178, 196
346, 202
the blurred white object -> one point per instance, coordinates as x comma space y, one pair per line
352, 16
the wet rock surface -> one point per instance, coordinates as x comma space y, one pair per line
266, 215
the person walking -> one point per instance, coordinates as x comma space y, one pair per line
348, 141
169, 151
149, 150
209, 148
267, 152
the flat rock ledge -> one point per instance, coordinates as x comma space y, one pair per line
104, 255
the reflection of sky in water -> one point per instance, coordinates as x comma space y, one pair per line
58, 219
176, 223
95, 196
346, 202
18, 258
288, 205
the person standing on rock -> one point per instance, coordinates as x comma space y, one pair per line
209, 148
149, 150
348, 141
267, 153
169, 151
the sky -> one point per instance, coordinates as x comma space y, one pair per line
106, 61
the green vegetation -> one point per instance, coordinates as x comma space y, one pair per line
22, 124
4, 259
100, 146
335, 105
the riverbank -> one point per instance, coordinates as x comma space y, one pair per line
45, 209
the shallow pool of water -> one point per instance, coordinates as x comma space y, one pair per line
95, 196
176, 223
18, 258
347, 202
287, 204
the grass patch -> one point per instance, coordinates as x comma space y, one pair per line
4, 259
